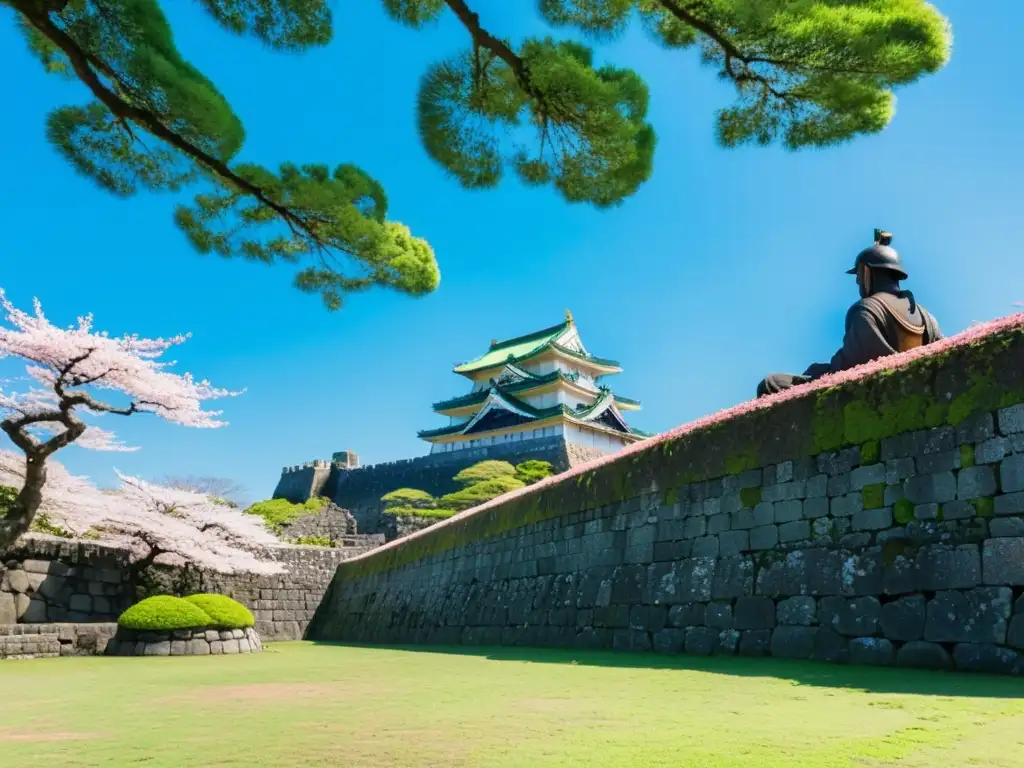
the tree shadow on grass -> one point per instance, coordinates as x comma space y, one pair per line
820, 674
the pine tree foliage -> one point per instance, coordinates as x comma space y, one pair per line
806, 73
156, 123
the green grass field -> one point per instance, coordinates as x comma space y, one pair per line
300, 704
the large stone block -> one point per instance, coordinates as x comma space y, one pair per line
858, 617
696, 576
919, 654
830, 646
939, 488
754, 613
734, 577
991, 451
975, 616
1011, 420
797, 611
872, 519
701, 641
941, 567
875, 651
864, 476
1003, 561
719, 615
1011, 473
793, 642
976, 482
755, 642
765, 537
986, 658
903, 619
669, 640
8, 610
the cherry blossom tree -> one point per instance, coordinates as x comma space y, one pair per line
69, 368
157, 523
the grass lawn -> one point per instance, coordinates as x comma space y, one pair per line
300, 704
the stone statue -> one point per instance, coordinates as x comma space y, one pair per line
885, 321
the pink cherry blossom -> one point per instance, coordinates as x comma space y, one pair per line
153, 521
72, 371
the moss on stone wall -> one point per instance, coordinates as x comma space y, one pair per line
903, 511
873, 496
943, 388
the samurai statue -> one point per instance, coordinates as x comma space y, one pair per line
885, 321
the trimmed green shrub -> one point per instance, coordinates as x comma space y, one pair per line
480, 492
279, 512
408, 497
434, 514
533, 471
313, 541
483, 472
163, 613
224, 612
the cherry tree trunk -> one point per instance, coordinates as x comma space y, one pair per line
19, 516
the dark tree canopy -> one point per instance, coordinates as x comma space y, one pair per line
807, 73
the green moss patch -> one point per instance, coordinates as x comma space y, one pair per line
873, 496
966, 456
903, 511
870, 452
984, 507
224, 612
164, 613
750, 497
277, 513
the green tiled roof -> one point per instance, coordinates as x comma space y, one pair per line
537, 414
525, 347
481, 394
516, 348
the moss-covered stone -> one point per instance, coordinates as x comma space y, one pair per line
750, 497
966, 456
983, 507
873, 496
903, 511
870, 451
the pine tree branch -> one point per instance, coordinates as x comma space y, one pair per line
481, 37
85, 66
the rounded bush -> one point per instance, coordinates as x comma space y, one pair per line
224, 612
164, 613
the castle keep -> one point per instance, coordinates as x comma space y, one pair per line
538, 396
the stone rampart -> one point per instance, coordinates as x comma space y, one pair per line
360, 489
877, 517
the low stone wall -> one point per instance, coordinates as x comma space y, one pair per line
185, 642
880, 520
45, 580
22, 641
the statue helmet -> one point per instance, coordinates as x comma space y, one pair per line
881, 255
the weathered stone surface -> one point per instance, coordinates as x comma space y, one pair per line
872, 650
1015, 634
18, 580
799, 530
854, 618
991, 451
669, 640
719, 615
793, 642
765, 537
754, 613
976, 482
8, 610
872, 519
1003, 561
733, 542
830, 646
1008, 527
701, 641
939, 487
992, 659
923, 655
848, 505
788, 511
728, 642
687, 615
797, 611
943, 567
755, 642
1011, 420
903, 619
974, 616
734, 577
1011, 473
1009, 503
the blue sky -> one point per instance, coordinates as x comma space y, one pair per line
727, 264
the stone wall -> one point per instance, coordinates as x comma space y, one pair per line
27, 641
332, 522
47, 580
360, 489
878, 521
